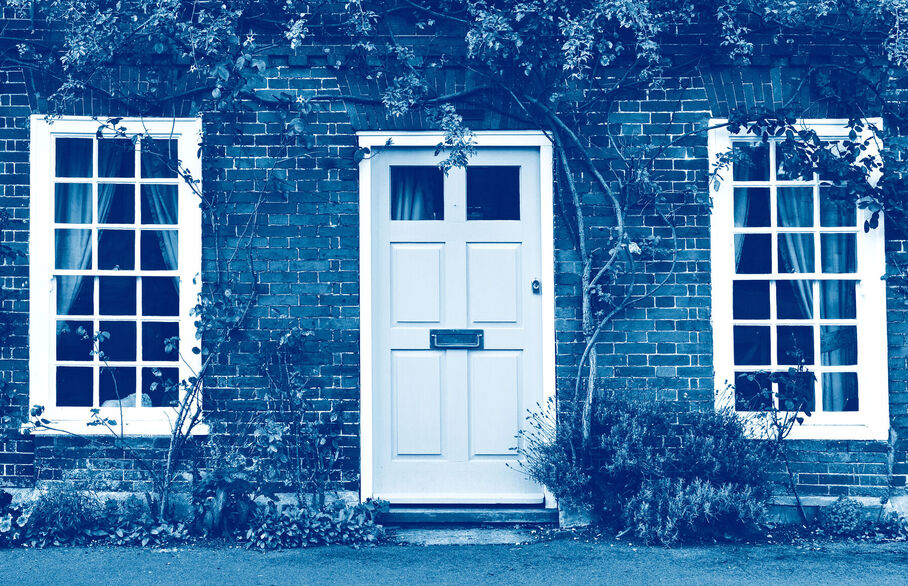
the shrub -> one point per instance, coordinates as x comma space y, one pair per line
843, 518
13, 521
130, 522
222, 500
295, 527
64, 516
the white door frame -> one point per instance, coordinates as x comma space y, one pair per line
504, 138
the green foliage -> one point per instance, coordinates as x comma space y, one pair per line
303, 527
62, 515
222, 500
843, 518
13, 521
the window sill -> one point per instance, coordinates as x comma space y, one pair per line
149, 427
820, 430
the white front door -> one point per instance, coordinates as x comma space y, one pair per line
457, 336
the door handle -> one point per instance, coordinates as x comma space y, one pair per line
456, 339
536, 286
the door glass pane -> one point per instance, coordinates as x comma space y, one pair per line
117, 386
72, 203
839, 253
73, 157
159, 250
751, 161
160, 296
417, 193
838, 345
121, 345
159, 158
155, 336
837, 208
751, 207
750, 300
116, 158
795, 345
796, 253
795, 207
116, 203
794, 299
75, 295
751, 345
753, 391
753, 254
74, 340
493, 193
837, 300
159, 204
116, 250
75, 386
840, 391
72, 249
160, 387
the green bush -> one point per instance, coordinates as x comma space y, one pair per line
13, 521
62, 515
295, 527
843, 518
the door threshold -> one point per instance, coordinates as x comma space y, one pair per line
422, 514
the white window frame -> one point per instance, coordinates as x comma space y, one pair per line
42, 294
871, 421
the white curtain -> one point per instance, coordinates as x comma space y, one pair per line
794, 250
163, 210
412, 193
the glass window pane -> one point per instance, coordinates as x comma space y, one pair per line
117, 295
159, 158
797, 390
156, 336
753, 254
72, 203
116, 250
751, 161
75, 295
795, 207
75, 386
122, 342
837, 207
751, 345
839, 253
72, 249
837, 300
750, 300
751, 207
840, 391
117, 386
794, 345
796, 253
159, 204
160, 386
493, 193
417, 193
73, 157
794, 299
791, 163
116, 203
753, 391
160, 296
74, 340
838, 345
116, 158
159, 250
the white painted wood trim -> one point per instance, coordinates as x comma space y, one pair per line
872, 421
428, 139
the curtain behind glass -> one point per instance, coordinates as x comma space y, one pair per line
415, 193
792, 214
72, 247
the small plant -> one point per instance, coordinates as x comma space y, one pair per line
63, 515
223, 501
843, 518
13, 521
295, 527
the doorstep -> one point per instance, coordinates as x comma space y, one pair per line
468, 514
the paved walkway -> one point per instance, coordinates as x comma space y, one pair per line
548, 563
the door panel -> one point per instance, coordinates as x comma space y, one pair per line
493, 278
418, 387
495, 404
416, 282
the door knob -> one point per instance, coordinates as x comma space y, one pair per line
536, 286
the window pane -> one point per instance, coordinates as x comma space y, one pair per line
839, 253
493, 193
159, 204
75, 295
74, 340
750, 299
840, 391
751, 206
753, 391
74, 386
417, 193
117, 295
796, 253
159, 250
797, 391
117, 386
160, 296
795, 207
116, 158
791, 164
160, 387
116, 249
122, 342
154, 341
751, 345
72, 203
838, 345
751, 162
753, 254
159, 158
794, 299
72, 249
116, 203
74, 157
837, 300
795, 345
837, 208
